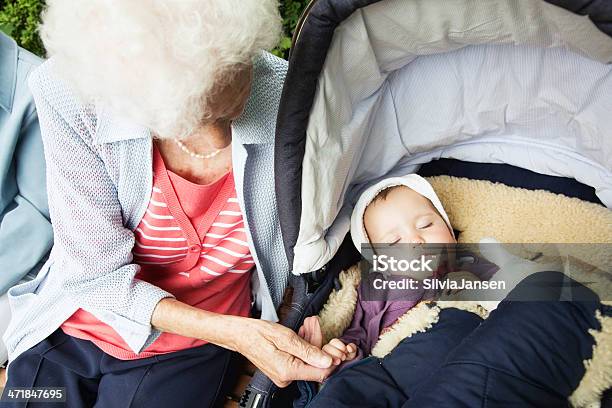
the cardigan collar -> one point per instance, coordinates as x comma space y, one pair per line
113, 128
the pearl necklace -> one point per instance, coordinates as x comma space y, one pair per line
194, 154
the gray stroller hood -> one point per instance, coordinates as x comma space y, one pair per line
399, 83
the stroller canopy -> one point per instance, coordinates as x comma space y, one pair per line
377, 88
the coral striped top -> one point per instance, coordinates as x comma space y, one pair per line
190, 242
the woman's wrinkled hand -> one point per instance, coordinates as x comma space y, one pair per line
278, 351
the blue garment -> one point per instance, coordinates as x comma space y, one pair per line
25, 229
187, 378
525, 354
99, 170
390, 380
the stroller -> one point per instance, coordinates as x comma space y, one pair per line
377, 88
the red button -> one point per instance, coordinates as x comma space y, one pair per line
194, 248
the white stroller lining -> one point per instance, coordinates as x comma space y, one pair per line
380, 111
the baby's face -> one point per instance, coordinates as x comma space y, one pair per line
405, 216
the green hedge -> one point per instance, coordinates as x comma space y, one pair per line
291, 10
19, 19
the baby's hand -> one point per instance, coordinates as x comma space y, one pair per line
339, 351
311, 331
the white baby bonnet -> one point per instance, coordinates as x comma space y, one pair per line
412, 181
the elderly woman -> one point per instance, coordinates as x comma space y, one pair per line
158, 125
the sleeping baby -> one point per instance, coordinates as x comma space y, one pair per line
399, 210
401, 350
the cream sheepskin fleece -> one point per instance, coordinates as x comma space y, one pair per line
479, 209
598, 376
338, 311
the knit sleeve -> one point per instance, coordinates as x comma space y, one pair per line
92, 247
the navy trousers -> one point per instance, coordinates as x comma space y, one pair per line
526, 354
92, 378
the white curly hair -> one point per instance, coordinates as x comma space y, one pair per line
157, 62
